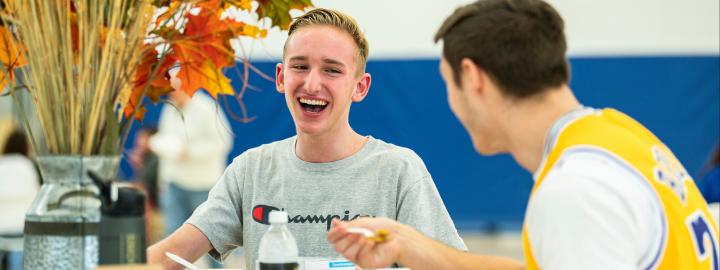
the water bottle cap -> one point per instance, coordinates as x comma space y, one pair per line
277, 217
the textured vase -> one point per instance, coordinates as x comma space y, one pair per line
61, 226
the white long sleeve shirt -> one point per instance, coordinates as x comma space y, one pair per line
18, 187
193, 143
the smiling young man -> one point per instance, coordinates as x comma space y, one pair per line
327, 171
608, 194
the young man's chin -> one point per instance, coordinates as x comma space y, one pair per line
486, 148
308, 129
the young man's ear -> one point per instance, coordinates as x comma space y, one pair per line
362, 88
279, 78
472, 76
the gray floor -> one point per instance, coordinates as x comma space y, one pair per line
504, 244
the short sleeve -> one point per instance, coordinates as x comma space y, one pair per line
421, 207
220, 217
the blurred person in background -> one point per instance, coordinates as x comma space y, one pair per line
145, 163
607, 194
709, 184
192, 145
19, 183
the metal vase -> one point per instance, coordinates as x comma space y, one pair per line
61, 226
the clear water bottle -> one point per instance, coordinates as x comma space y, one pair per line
278, 249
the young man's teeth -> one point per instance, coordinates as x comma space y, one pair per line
313, 102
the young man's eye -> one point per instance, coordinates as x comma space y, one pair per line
332, 70
299, 67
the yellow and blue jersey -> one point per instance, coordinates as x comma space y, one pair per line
690, 236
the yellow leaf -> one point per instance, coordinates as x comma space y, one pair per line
279, 10
246, 5
217, 83
250, 30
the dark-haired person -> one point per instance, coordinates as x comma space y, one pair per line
710, 183
608, 194
145, 164
19, 182
326, 171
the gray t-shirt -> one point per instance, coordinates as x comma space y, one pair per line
380, 180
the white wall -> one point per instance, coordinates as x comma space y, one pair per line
641, 26
404, 28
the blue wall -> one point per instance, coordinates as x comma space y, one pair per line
678, 98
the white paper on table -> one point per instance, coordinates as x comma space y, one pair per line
310, 263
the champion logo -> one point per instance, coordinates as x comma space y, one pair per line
261, 214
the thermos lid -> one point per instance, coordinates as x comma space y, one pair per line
278, 217
118, 201
129, 202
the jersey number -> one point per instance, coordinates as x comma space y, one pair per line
700, 230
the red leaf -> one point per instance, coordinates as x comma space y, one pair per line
148, 81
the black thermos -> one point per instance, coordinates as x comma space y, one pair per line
122, 226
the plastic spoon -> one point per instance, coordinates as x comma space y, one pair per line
378, 236
182, 261
360, 230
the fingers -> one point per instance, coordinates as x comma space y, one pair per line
337, 231
354, 244
356, 247
346, 243
366, 250
376, 225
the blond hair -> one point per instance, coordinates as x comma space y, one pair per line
322, 16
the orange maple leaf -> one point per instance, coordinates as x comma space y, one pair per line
208, 37
11, 56
209, 5
149, 82
241, 4
203, 50
205, 76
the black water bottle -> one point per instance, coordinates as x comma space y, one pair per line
122, 225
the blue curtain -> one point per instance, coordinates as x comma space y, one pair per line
676, 97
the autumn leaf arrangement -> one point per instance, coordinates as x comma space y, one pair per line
88, 65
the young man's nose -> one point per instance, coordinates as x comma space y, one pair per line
313, 82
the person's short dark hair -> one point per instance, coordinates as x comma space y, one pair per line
520, 44
715, 158
17, 144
